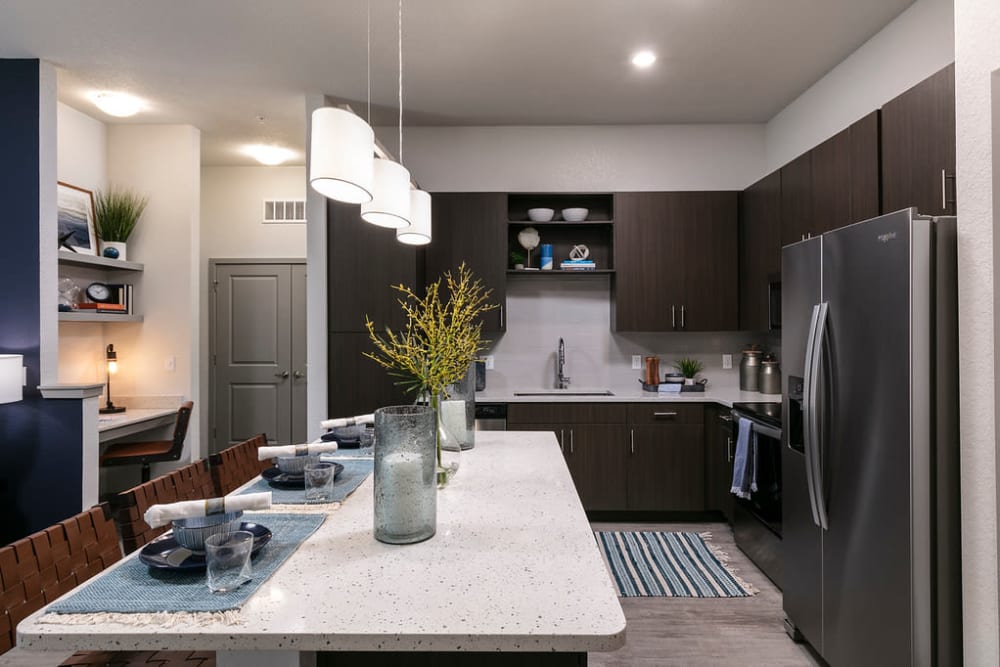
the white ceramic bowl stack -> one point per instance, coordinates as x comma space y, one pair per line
575, 214
295, 465
540, 214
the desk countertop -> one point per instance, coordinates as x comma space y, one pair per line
513, 567
131, 417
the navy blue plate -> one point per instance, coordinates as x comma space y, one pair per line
284, 480
164, 553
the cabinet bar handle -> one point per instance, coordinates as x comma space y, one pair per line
631, 437
571, 441
664, 414
944, 191
729, 449
561, 435
501, 317
683, 326
673, 316
726, 418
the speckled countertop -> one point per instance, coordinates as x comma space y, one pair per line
513, 567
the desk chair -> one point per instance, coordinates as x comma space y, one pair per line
144, 453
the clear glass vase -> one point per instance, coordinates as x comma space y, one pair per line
449, 448
459, 409
405, 474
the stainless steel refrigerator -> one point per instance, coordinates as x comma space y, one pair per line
870, 479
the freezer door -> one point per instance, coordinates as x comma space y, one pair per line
800, 544
865, 447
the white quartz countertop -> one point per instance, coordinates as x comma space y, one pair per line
513, 567
721, 392
132, 416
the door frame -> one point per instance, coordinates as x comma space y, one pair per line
212, 284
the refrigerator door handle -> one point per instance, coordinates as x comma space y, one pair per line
809, 408
813, 416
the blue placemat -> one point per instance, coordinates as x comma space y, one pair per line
136, 588
356, 470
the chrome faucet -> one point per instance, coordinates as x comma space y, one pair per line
562, 382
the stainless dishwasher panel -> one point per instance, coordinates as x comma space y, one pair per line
491, 416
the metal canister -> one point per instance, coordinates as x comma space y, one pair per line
750, 370
770, 377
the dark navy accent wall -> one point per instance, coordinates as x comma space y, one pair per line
40, 440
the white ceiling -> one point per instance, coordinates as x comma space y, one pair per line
219, 64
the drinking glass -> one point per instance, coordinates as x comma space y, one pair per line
319, 482
367, 440
228, 560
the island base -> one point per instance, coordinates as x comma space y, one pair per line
450, 659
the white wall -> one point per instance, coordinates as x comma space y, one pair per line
596, 158
231, 227
162, 162
977, 87
81, 161
913, 46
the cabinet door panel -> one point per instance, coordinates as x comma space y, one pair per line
710, 238
864, 139
666, 468
595, 454
357, 384
471, 228
796, 199
648, 260
759, 249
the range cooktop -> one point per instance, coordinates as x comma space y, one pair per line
768, 413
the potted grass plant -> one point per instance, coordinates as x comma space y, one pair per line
116, 213
689, 368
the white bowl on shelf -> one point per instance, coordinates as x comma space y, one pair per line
540, 214
575, 214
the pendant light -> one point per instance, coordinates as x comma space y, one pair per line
390, 204
419, 230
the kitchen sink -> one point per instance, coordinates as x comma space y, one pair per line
565, 392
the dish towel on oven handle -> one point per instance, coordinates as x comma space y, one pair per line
745, 461
160, 515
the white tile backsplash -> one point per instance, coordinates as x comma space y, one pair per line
541, 309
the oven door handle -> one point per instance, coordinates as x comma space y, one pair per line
808, 407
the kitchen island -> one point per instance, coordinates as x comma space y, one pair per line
514, 568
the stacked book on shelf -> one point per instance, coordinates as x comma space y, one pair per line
578, 265
119, 303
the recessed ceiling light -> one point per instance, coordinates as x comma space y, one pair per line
269, 154
121, 105
643, 59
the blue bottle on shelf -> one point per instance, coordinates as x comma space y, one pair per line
546, 261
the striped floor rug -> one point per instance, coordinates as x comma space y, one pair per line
656, 564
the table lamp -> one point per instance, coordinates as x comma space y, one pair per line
11, 378
112, 358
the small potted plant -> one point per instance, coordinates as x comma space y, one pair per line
116, 213
517, 259
689, 368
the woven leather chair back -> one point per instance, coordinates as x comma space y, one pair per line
237, 465
192, 482
34, 571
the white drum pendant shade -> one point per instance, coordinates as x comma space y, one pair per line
419, 230
340, 156
390, 204
11, 377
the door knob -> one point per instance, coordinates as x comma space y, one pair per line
282, 374
298, 374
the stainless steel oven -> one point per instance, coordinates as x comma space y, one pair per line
757, 519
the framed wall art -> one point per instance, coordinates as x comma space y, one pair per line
76, 220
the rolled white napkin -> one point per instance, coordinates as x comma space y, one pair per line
312, 449
161, 515
347, 421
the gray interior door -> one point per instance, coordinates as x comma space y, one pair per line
801, 544
258, 353
867, 555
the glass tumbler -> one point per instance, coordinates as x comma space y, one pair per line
227, 558
319, 482
405, 474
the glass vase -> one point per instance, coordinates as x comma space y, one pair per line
459, 409
449, 448
405, 474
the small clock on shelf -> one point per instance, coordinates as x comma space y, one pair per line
99, 293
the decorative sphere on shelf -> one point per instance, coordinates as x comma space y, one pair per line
111, 253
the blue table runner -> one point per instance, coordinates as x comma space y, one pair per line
136, 588
356, 470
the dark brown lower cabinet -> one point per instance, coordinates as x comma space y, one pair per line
595, 461
666, 468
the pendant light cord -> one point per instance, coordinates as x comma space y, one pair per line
400, 44
369, 61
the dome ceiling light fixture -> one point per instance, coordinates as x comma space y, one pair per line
117, 104
270, 155
644, 59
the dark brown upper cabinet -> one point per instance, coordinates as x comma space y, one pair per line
676, 261
471, 227
364, 261
760, 249
918, 147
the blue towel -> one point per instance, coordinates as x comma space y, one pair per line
745, 461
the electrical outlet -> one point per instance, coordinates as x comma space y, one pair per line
637, 362
489, 362
170, 364
727, 361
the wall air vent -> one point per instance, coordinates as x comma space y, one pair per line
284, 211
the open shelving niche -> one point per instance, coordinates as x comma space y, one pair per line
596, 232
97, 269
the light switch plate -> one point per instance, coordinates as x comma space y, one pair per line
636, 362
489, 362
727, 361
170, 364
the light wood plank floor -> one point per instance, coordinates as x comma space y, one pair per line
741, 632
